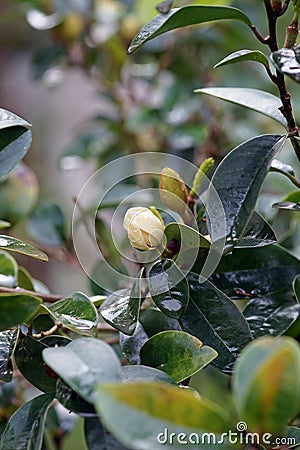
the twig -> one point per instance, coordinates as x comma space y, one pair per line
49, 298
46, 333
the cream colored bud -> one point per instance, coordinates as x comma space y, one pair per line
144, 229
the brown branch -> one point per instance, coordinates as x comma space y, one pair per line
49, 298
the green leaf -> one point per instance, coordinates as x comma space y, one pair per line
77, 313
267, 402
296, 287
83, 364
286, 205
25, 428
28, 354
244, 55
178, 354
139, 373
256, 271
259, 101
238, 180
16, 309
47, 225
258, 233
284, 169
98, 438
15, 140
8, 270
16, 245
293, 436
8, 341
271, 315
165, 409
214, 319
168, 288
72, 401
182, 17
287, 61
4, 224
121, 308
152, 321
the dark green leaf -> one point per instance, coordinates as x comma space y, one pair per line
182, 17
47, 225
166, 409
244, 55
259, 101
238, 180
296, 287
77, 313
98, 438
28, 354
287, 61
256, 272
8, 341
168, 288
178, 354
258, 233
83, 364
16, 245
214, 319
8, 270
287, 205
271, 315
25, 428
15, 140
25, 280
139, 373
16, 309
293, 436
121, 309
72, 401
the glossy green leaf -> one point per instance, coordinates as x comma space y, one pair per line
279, 167
47, 225
83, 364
244, 55
98, 438
214, 319
258, 233
28, 354
16, 245
139, 373
166, 409
256, 272
152, 321
286, 205
178, 354
168, 288
25, 428
293, 436
271, 315
259, 101
182, 17
244, 170
16, 309
267, 402
15, 140
121, 308
8, 270
287, 61
8, 341
72, 401
77, 313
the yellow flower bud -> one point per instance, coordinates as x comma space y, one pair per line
173, 191
144, 229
